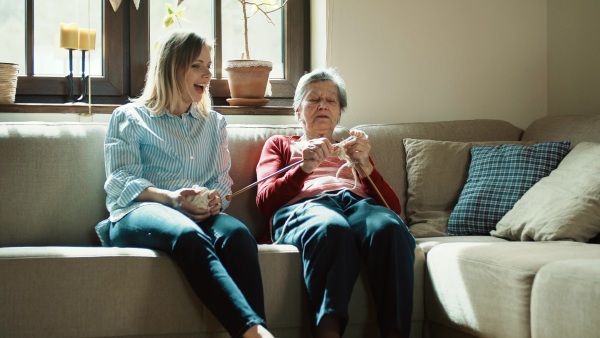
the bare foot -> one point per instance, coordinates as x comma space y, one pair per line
257, 331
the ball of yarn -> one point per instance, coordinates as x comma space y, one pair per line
201, 200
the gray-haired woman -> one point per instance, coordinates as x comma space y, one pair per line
337, 218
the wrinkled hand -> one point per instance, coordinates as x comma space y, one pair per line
314, 153
358, 149
180, 203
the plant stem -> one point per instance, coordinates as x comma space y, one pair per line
247, 55
259, 8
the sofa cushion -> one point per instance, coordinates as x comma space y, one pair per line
147, 287
473, 285
153, 297
498, 177
563, 294
436, 173
428, 243
563, 206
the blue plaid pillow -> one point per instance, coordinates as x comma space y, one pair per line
498, 177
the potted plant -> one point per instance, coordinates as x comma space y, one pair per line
248, 78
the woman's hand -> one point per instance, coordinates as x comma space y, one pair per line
314, 153
358, 149
179, 201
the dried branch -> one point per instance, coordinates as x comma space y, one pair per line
258, 8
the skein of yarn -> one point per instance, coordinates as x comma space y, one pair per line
201, 200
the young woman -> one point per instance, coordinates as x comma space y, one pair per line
165, 147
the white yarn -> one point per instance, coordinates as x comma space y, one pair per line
201, 200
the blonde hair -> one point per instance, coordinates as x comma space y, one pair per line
174, 54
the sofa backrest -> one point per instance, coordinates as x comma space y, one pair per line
52, 174
389, 155
574, 128
51, 183
52, 177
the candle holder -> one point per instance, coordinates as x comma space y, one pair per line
84, 79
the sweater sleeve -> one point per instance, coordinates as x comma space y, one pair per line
276, 191
387, 193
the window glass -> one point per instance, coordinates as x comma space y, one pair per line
12, 33
265, 38
49, 58
31, 38
196, 16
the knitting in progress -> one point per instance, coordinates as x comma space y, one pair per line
338, 148
340, 152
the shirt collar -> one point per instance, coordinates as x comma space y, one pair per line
193, 112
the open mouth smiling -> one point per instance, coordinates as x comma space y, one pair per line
202, 87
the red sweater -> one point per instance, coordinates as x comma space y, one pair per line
289, 187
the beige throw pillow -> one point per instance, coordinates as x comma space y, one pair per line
565, 205
436, 173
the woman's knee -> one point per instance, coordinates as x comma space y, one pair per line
332, 230
231, 232
389, 227
240, 237
190, 239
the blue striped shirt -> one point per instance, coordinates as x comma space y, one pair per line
142, 150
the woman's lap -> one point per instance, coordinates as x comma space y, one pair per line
361, 216
158, 227
218, 256
372, 234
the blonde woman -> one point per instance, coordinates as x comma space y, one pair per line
164, 148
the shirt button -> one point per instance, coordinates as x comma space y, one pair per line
191, 157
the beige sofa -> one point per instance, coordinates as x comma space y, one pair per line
56, 281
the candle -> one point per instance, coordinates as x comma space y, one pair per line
68, 35
87, 39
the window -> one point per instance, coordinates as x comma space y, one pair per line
118, 64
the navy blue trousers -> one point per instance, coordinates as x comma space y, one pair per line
338, 234
218, 256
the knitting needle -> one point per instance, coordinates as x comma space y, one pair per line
284, 169
229, 197
372, 184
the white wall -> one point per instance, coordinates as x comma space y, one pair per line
573, 57
426, 60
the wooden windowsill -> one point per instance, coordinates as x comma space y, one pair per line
83, 109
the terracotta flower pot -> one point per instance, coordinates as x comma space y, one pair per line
248, 79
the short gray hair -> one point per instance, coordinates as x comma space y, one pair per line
317, 75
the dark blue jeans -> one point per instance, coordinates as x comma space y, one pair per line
218, 256
335, 235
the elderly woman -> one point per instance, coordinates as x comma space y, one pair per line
337, 218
